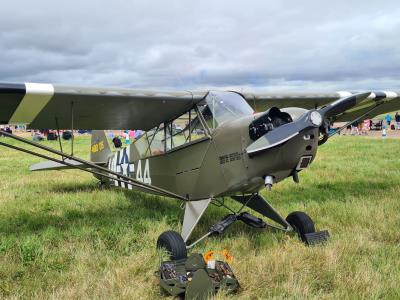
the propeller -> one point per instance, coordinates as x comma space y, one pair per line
311, 119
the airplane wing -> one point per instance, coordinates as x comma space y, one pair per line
47, 106
43, 106
378, 102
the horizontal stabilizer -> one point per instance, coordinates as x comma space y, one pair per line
51, 165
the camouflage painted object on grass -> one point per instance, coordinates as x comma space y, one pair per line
195, 279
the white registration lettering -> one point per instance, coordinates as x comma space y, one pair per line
139, 171
145, 175
120, 163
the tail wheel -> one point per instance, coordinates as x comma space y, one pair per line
301, 223
173, 243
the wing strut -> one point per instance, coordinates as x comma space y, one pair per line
87, 166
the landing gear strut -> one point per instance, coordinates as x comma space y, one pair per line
297, 221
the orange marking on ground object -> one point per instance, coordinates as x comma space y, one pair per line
210, 255
228, 257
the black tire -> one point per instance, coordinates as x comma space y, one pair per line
301, 223
173, 243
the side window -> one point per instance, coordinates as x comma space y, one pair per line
169, 132
176, 134
151, 143
142, 146
208, 116
183, 130
156, 140
197, 130
180, 132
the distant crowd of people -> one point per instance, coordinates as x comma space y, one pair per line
7, 129
359, 128
396, 124
40, 135
11, 128
51, 135
117, 136
363, 127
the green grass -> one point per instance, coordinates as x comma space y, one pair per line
63, 237
383, 116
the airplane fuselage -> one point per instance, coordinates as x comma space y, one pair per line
217, 165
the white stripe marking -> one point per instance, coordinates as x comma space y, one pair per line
36, 98
343, 94
390, 95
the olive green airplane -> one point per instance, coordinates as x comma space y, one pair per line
200, 147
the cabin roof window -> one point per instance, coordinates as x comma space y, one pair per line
224, 106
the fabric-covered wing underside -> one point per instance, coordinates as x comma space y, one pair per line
42, 106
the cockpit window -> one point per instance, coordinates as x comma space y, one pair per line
216, 109
224, 106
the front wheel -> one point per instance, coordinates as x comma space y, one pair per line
301, 223
173, 243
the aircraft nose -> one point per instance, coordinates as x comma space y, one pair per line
285, 160
273, 128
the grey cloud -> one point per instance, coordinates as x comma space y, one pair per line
181, 44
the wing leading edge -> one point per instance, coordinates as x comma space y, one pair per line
45, 106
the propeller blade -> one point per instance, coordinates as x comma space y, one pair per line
343, 104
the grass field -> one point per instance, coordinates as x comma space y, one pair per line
63, 237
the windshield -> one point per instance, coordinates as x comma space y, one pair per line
225, 106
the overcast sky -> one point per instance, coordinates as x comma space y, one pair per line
313, 45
